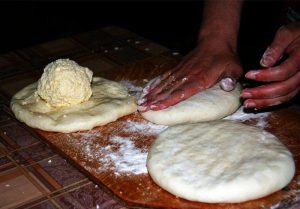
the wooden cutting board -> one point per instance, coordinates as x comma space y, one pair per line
91, 151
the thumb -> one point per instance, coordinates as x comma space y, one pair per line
229, 79
228, 84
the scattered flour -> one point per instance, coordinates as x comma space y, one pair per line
128, 158
146, 127
91, 134
120, 155
241, 115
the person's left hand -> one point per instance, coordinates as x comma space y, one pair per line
284, 79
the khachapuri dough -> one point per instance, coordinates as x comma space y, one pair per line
211, 104
67, 99
219, 162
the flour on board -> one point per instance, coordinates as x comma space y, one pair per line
128, 158
146, 127
120, 155
240, 115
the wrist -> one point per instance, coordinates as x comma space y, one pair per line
220, 22
218, 40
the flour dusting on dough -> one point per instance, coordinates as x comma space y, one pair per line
133, 89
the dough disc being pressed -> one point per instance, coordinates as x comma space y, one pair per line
219, 162
108, 102
211, 104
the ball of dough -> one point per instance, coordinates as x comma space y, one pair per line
65, 83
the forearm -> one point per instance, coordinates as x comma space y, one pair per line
221, 19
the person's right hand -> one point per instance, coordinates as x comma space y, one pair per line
211, 61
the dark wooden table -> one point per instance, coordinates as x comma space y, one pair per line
34, 175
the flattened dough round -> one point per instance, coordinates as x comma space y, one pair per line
219, 162
211, 104
109, 101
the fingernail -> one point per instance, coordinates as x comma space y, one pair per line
276, 103
250, 105
153, 107
142, 108
146, 90
157, 80
266, 61
157, 106
267, 58
154, 83
142, 101
227, 84
246, 95
251, 74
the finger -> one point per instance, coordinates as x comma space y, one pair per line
261, 103
164, 94
152, 86
161, 92
273, 90
147, 89
154, 82
169, 76
177, 96
282, 39
229, 79
143, 108
279, 73
159, 79
160, 86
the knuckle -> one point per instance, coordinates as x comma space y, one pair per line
292, 67
285, 73
283, 30
295, 50
283, 35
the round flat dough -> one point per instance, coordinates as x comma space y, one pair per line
219, 162
109, 101
211, 104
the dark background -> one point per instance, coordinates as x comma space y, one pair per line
171, 23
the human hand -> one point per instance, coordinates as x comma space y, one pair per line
283, 79
207, 64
